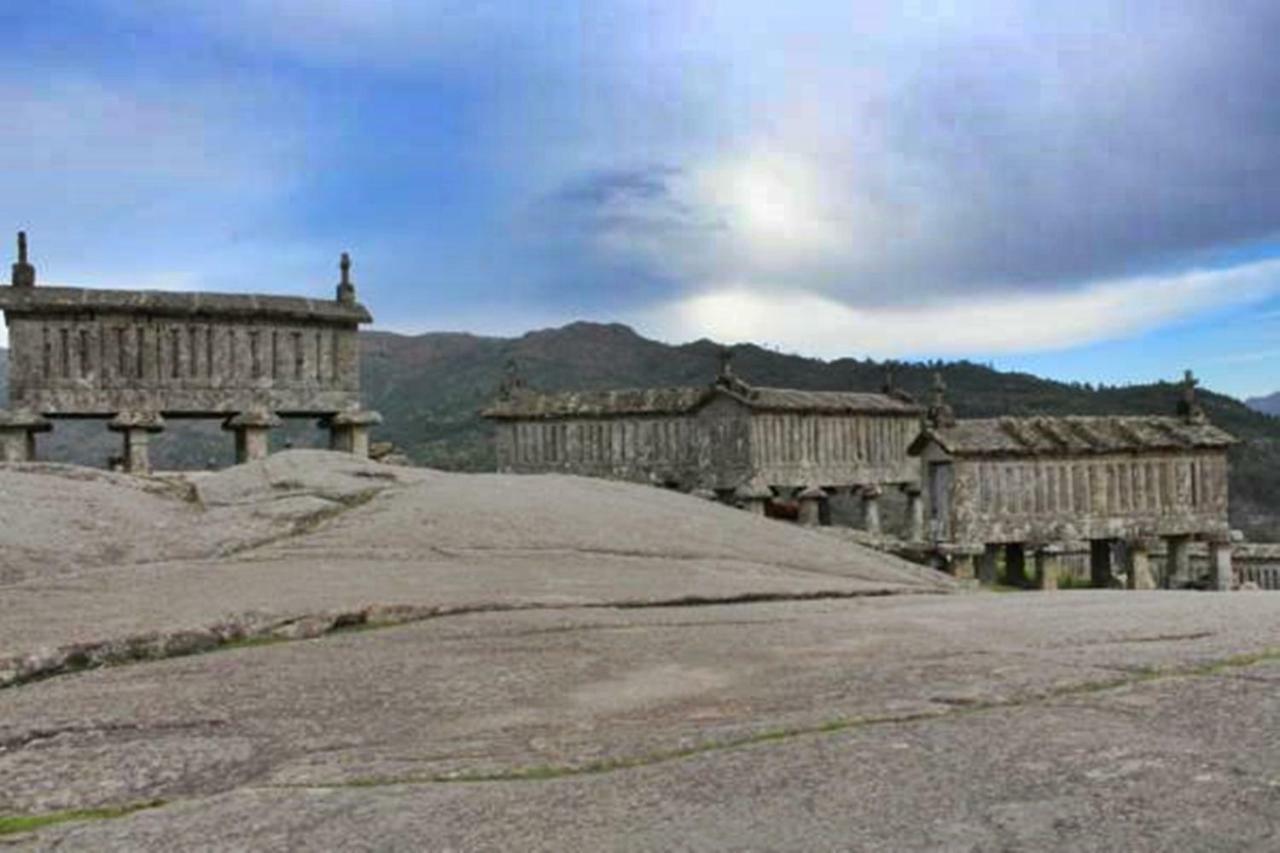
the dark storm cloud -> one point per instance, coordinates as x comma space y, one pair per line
1061, 157
1014, 146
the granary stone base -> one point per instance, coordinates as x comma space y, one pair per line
987, 564
252, 429
915, 514
1177, 571
349, 431
18, 435
1048, 566
754, 496
871, 509
1221, 572
811, 499
1139, 565
137, 427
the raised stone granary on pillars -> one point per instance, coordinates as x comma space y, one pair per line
739, 441
140, 357
1038, 483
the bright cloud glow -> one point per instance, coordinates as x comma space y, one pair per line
816, 325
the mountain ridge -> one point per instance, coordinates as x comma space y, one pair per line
1268, 404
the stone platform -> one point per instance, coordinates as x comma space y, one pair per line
395, 659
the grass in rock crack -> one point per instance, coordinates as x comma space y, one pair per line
14, 824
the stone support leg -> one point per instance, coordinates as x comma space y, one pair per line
915, 514
17, 446
1048, 567
871, 509
753, 496
987, 573
810, 511
137, 456
349, 432
18, 435
1221, 572
964, 565
1139, 565
253, 433
1177, 570
252, 443
137, 428
1100, 569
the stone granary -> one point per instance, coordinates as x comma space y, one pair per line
139, 357
1035, 484
743, 443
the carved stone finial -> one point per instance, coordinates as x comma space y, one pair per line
726, 363
23, 273
939, 413
512, 382
346, 290
890, 388
1189, 407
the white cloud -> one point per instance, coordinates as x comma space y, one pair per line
816, 325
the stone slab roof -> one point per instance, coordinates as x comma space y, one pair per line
245, 306
1057, 436
680, 400
853, 402
571, 404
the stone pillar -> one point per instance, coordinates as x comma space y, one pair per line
349, 431
1048, 566
1139, 565
137, 428
964, 563
252, 428
987, 573
915, 513
1222, 574
1100, 571
754, 496
1177, 569
871, 509
811, 499
18, 435
1015, 564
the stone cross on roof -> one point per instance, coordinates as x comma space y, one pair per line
939, 413
1189, 407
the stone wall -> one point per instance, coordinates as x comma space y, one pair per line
719, 446
1055, 499
833, 449
100, 364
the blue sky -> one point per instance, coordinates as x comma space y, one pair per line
1086, 191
